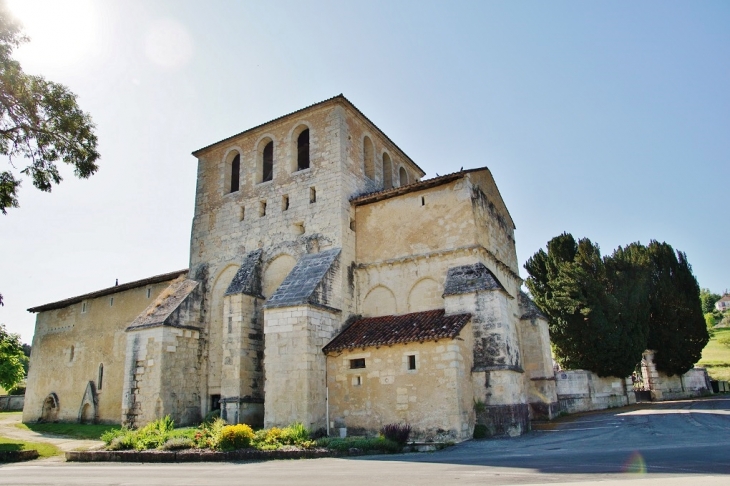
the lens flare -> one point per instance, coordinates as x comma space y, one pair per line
635, 464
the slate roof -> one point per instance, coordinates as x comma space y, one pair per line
165, 304
386, 330
108, 291
529, 309
247, 279
470, 278
304, 284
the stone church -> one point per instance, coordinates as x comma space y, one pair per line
328, 284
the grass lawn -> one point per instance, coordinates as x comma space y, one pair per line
716, 357
76, 431
44, 450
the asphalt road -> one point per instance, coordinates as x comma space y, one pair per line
672, 443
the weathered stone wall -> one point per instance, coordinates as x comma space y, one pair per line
581, 391
435, 398
538, 367
694, 383
163, 376
11, 403
69, 345
295, 365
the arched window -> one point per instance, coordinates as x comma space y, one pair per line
387, 172
100, 381
303, 150
367, 151
403, 176
235, 173
267, 162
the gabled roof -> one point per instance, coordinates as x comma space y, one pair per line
248, 279
725, 298
108, 291
339, 98
386, 330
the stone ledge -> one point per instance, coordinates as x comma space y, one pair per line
201, 455
17, 456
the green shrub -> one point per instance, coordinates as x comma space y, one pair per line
235, 437
154, 434
724, 340
209, 434
363, 444
211, 416
178, 443
122, 442
112, 434
480, 431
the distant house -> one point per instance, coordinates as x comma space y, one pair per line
723, 304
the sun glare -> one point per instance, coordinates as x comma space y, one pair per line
62, 32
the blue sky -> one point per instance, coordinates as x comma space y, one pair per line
609, 120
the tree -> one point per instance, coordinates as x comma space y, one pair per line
597, 308
708, 300
39, 122
12, 359
677, 327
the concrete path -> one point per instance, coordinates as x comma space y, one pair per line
9, 428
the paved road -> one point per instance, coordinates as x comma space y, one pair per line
670, 444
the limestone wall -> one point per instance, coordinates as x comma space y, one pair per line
162, 376
537, 363
435, 399
71, 343
694, 383
580, 391
295, 365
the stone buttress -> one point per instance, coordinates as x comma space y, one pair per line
497, 373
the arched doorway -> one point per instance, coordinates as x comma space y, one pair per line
49, 413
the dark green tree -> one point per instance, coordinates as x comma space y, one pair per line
12, 359
40, 124
708, 300
677, 327
597, 308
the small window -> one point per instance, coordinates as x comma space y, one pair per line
100, 381
352, 224
262, 208
149, 293
230, 324
357, 363
357, 380
312, 195
243, 213
412, 362
84, 307
235, 172
284, 203
71, 353
403, 176
268, 162
387, 172
298, 228
303, 150
111, 301
423, 201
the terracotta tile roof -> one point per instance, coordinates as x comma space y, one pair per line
408, 328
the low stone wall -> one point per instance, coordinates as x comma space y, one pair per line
581, 391
197, 455
12, 403
694, 383
17, 456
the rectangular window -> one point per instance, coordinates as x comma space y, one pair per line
84, 307
243, 213
262, 209
357, 363
230, 324
149, 293
312, 195
357, 381
111, 301
412, 362
285, 203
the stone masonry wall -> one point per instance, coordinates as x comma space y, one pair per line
69, 344
435, 398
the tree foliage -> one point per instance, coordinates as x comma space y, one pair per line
12, 359
677, 327
40, 124
597, 307
708, 300
604, 312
